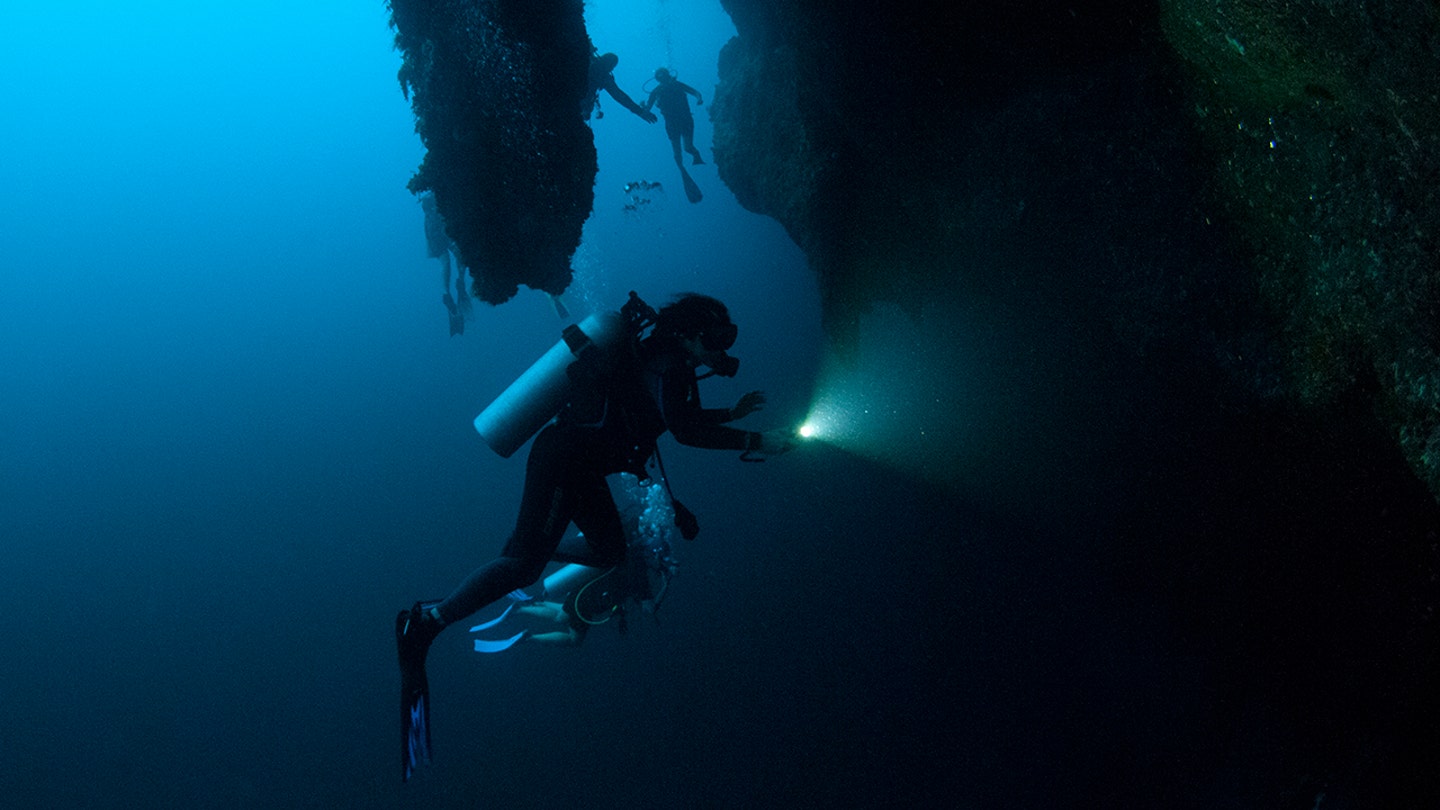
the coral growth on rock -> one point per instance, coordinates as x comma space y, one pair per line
496, 87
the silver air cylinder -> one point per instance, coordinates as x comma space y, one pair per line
569, 578
534, 398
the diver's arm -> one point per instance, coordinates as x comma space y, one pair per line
748, 404
714, 416
559, 638
553, 612
548, 611
773, 442
695, 426
650, 102
699, 99
625, 101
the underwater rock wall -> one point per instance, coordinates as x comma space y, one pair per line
497, 89
1170, 272
1321, 122
1275, 204
1020, 186
849, 123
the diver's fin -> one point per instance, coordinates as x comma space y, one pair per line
487, 646
692, 191
487, 625
415, 726
412, 641
560, 308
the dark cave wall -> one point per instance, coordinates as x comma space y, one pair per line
855, 140
1322, 127
1228, 212
1264, 176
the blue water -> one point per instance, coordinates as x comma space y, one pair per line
236, 434
236, 439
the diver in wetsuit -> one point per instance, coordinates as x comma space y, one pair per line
439, 246
671, 94
577, 597
602, 77
649, 391
597, 597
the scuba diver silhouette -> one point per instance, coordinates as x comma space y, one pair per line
671, 95
577, 597
601, 77
439, 246
621, 398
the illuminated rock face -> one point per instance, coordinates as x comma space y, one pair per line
853, 125
1171, 271
1261, 173
496, 87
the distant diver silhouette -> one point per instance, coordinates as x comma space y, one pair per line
439, 246
670, 95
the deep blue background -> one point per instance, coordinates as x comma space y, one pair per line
235, 438
236, 435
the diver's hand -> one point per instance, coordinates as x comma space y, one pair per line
649, 117
748, 404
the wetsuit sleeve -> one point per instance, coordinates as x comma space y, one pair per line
692, 425
714, 416
621, 96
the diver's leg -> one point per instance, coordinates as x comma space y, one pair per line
488, 583
545, 611
463, 303
675, 144
546, 507
597, 518
689, 141
560, 638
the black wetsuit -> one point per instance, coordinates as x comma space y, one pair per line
601, 78
565, 474
670, 97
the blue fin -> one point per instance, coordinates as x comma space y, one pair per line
487, 625
487, 646
417, 735
414, 693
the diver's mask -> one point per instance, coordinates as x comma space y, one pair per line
720, 364
719, 337
717, 340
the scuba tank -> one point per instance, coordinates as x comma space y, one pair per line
569, 578
538, 394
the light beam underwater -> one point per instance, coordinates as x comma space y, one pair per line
887, 400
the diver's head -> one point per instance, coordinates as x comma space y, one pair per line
664, 76
607, 61
702, 326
